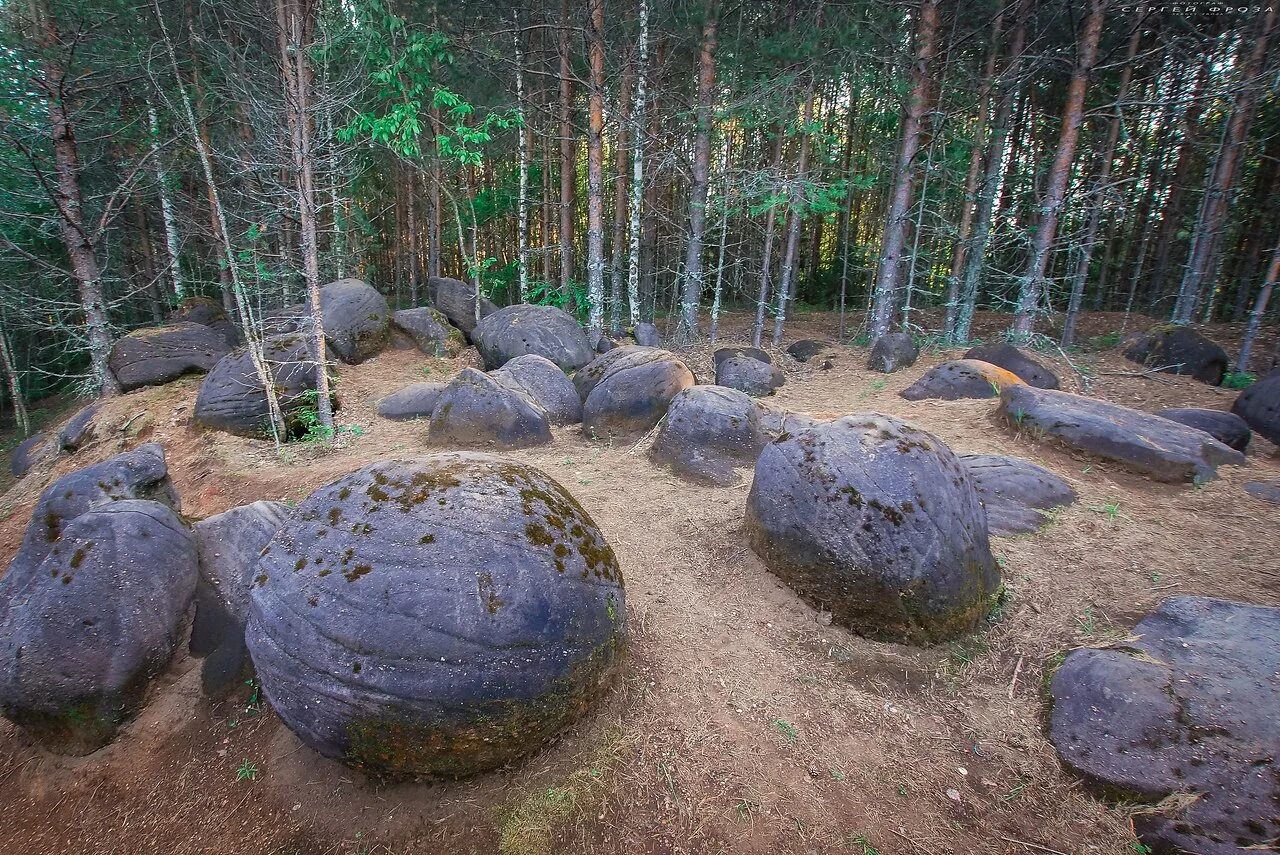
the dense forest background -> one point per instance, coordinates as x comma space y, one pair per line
633, 159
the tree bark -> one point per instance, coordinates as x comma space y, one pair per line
687, 330
1259, 309
795, 214
637, 166
595, 169
620, 153
522, 214
568, 154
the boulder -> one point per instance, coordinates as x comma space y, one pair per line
600, 343
79, 429
776, 421
877, 521
456, 300
286, 319
357, 320
961, 378
1259, 406
1009, 358
893, 352
634, 393
1227, 428
525, 328
85, 630
509, 615
430, 331
807, 348
1015, 492
158, 355
32, 450
229, 546
232, 399
647, 335
415, 401
544, 382
1180, 350
475, 409
589, 376
709, 431
1162, 449
748, 374
1266, 491
740, 350
206, 312
1185, 705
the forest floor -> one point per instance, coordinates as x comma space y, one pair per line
742, 723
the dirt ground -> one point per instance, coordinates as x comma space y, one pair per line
742, 723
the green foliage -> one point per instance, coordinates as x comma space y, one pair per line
572, 299
1238, 380
246, 771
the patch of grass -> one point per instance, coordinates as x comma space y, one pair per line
961, 653
873, 387
1088, 621
859, 842
1238, 380
246, 771
787, 729
1051, 666
528, 828
1111, 509
1106, 341
742, 811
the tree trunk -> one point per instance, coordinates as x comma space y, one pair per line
691, 296
568, 155
1259, 309
766, 261
595, 169
620, 198
637, 166
795, 214
166, 207
522, 213
8, 366
724, 239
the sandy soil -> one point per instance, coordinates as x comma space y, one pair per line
743, 723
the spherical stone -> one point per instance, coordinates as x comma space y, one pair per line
877, 521
436, 617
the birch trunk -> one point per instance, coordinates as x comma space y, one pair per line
691, 296
595, 170
637, 167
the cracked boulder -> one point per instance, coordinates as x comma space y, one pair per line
158, 355
709, 433
544, 382
524, 328
1015, 492
475, 409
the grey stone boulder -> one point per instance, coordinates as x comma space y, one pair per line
1015, 492
878, 522
436, 617
1180, 350
1185, 706
544, 382
456, 300
1227, 428
893, 352
522, 329
589, 376
776, 421
477, 410
1259, 406
961, 378
357, 320
293, 318
1264, 490
158, 355
206, 312
415, 401
647, 335
1159, 448
232, 399
84, 629
709, 432
32, 450
748, 374
724, 353
430, 331
600, 342
1009, 358
807, 348
79, 429
633, 393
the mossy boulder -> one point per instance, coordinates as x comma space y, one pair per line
877, 521
430, 331
514, 331
357, 320
436, 617
232, 399
708, 434
456, 300
1180, 350
477, 410
207, 312
1015, 492
1009, 358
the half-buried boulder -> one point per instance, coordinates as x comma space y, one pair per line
1227, 428
430, 331
748, 374
961, 378
540, 330
544, 382
79, 429
32, 450
708, 433
633, 393
509, 616
232, 399
724, 353
776, 421
807, 348
1015, 492
647, 335
1266, 491
415, 401
589, 376
893, 352
1009, 358
877, 521
1162, 449
1185, 706
207, 312
477, 410
1180, 350
456, 300
158, 355
1259, 406
357, 320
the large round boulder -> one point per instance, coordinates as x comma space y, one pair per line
1227, 428
748, 374
32, 450
206, 312
1009, 358
1185, 705
709, 432
415, 401
544, 382
893, 352
524, 328
477, 410
507, 615
231, 397
456, 300
1259, 406
961, 378
430, 331
1015, 492
1180, 350
158, 355
634, 393
589, 376
877, 521
357, 320
84, 631
647, 335
724, 353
